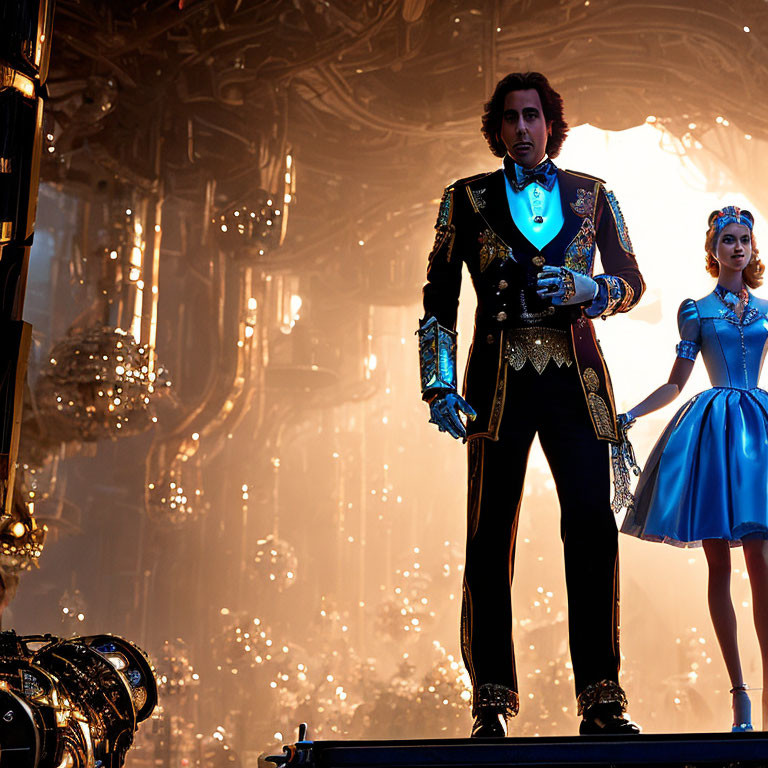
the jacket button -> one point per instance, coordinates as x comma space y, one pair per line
501, 317
489, 338
503, 285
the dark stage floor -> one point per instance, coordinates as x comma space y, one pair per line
672, 750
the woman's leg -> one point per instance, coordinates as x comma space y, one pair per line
756, 556
718, 554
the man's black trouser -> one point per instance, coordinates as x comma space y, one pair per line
551, 404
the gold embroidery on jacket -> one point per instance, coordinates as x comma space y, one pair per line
602, 416
591, 379
445, 214
445, 235
477, 198
585, 202
580, 254
539, 346
492, 248
621, 225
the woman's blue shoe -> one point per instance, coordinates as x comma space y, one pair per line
742, 710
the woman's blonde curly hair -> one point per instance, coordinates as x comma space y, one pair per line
753, 272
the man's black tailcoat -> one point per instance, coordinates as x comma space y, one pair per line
570, 406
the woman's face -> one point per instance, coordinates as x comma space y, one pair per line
734, 248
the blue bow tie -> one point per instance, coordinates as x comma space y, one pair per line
544, 174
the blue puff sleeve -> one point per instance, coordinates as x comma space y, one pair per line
690, 330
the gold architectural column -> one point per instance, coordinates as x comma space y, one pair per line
24, 47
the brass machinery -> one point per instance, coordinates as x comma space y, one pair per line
71, 702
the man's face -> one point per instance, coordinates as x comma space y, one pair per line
524, 131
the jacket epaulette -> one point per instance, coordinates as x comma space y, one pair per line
585, 175
468, 179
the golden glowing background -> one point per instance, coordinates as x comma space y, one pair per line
278, 525
349, 620
672, 670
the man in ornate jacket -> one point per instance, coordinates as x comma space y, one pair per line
528, 234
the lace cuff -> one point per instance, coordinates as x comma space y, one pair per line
687, 349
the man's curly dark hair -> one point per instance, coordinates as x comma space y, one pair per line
551, 102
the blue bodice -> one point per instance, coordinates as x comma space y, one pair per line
733, 348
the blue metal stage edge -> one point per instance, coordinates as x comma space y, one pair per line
713, 750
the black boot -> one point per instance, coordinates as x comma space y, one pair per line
489, 725
493, 705
602, 706
607, 719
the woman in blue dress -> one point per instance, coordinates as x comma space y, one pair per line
706, 480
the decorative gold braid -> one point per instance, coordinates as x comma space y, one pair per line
466, 631
602, 416
476, 198
445, 214
629, 297
500, 395
444, 234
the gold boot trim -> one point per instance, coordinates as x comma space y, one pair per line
602, 692
494, 698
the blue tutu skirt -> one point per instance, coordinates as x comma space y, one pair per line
707, 476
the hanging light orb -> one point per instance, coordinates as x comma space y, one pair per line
21, 540
250, 644
273, 563
175, 501
98, 384
252, 229
72, 610
175, 673
38, 483
446, 685
409, 609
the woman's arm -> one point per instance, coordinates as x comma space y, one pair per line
666, 393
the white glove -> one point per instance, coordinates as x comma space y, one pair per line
564, 286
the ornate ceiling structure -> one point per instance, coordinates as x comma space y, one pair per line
231, 186
376, 99
307, 141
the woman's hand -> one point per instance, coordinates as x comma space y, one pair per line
626, 420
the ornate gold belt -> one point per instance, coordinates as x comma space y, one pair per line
539, 345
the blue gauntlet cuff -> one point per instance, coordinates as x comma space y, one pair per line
437, 357
613, 295
600, 302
